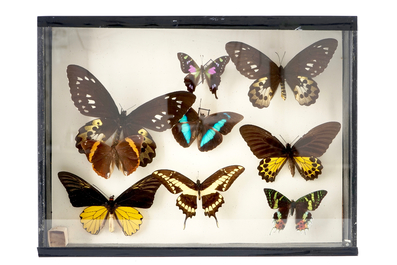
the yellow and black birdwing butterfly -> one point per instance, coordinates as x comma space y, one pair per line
298, 73
303, 154
99, 208
92, 99
302, 206
208, 130
221, 180
195, 74
124, 154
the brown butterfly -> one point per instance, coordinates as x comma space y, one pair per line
298, 73
92, 99
303, 154
123, 154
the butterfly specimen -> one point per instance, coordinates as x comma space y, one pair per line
124, 154
176, 183
92, 99
298, 73
309, 202
196, 74
208, 130
303, 154
99, 208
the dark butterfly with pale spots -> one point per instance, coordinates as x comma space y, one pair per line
302, 206
207, 129
196, 74
99, 208
303, 154
298, 73
212, 200
92, 99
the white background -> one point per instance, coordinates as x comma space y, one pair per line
376, 99
137, 65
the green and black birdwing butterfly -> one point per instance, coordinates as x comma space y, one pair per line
303, 154
196, 74
92, 99
99, 208
207, 129
301, 206
176, 183
298, 73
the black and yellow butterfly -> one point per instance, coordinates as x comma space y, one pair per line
207, 129
92, 99
298, 73
176, 183
99, 208
210, 72
309, 202
303, 154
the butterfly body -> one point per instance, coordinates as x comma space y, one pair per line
211, 72
301, 207
99, 208
298, 73
303, 155
176, 183
92, 99
207, 130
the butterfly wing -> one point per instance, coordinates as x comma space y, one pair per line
129, 219
276, 200
221, 180
253, 64
213, 127
81, 193
148, 148
94, 218
213, 71
88, 94
128, 152
309, 202
311, 146
94, 130
176, 183
141, 194
101, 155
190, 67
266, 147
307, 64
160, 113
186, 130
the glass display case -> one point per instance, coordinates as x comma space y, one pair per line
203, 136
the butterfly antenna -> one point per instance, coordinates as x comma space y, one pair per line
293, 142
280, 60
101, 191
285, 142
128, 108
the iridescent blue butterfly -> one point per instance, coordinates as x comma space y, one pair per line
211, 72
207, 129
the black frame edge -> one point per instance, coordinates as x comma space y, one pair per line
186, 252
236, 22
